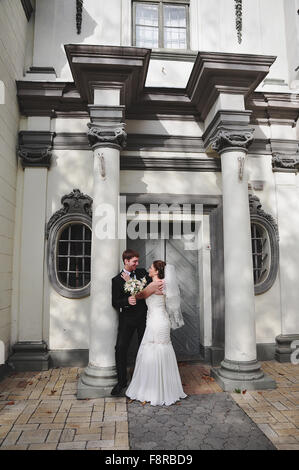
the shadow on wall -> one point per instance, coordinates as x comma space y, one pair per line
92, 32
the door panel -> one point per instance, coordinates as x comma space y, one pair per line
186, 339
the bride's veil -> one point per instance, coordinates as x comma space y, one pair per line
172, 297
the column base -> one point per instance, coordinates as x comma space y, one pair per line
29, 356
232, 375
283, 349
96, 382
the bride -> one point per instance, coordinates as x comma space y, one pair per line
156, 377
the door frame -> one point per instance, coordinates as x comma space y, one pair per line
210, 267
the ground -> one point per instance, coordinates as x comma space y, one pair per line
39, 411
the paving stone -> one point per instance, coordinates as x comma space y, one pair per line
11, 438
54, 436
87, 437
46, 446
33, 437
67, 435
71, 445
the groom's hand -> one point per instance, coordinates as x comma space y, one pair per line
132, 300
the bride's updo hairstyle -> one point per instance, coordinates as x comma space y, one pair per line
160, 267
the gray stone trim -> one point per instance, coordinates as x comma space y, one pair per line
5, 370
231, 384
28, 8
77, 209
42, 70
29, 355
177, 55
35, 148
103, 136
228, 130
228, 138
128, 162
69, 357
274, 108
209, 202
260, 217
96, 382
95, 66
282, 162
283, 349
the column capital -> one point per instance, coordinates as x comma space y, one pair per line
35, 148
228, 139
107, 135
229, 130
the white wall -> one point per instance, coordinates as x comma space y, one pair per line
287, 193
267, 305
67, 320
13, 27
292, 38
212, 29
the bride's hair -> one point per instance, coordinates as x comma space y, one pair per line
160, 267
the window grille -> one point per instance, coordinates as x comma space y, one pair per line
161, 25
73, 256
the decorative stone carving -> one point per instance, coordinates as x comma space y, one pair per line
35, 148
269, 225
79, 8
287, 162
105, 136
231, 138
239, 19
77, 210
73, 203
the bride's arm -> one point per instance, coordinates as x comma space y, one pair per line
153, 288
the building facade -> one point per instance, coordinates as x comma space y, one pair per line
151, 117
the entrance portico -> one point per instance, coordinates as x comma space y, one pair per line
215, 93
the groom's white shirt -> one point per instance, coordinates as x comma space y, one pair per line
128, 272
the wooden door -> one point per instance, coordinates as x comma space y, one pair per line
185, 340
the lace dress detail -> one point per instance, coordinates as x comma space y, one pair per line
156, 377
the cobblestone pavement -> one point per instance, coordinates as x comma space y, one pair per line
205, 422
39, 410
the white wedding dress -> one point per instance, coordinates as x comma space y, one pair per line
156, 377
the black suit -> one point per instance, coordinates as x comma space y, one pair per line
131, 318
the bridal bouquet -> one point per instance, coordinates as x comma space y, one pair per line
134, 286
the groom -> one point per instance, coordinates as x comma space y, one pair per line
132, 316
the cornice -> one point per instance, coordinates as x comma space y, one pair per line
126, 68
108, 67
214, 73
274, 108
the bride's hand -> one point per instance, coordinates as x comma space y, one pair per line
125, 276
158, 286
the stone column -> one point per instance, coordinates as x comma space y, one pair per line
240, 368
30, 351
106, 139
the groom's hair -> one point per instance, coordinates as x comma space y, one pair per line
128, 254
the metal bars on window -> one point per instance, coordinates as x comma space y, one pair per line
73, 256
161, 24
259, 254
